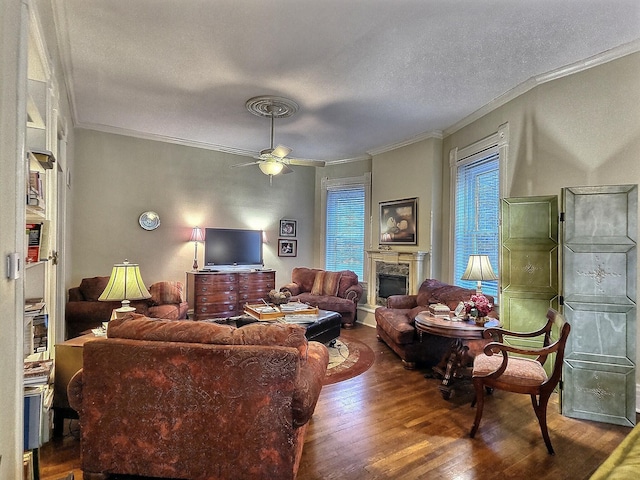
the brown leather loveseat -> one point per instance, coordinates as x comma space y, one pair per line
196, 400
84, 311
395, 322
336, 291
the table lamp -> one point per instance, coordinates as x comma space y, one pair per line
125, 284
479, 268
196, 236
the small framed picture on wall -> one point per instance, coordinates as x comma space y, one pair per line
287, 248
288, 228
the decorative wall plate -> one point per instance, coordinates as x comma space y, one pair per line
149, 220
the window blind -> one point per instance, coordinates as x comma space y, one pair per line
344, 243
477, 204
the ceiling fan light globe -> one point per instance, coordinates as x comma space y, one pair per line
271, 168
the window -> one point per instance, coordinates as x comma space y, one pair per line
476, 177
346, 211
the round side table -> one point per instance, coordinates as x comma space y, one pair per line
453, 366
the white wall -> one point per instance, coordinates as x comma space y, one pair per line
11, 139
411, 171
583, 129
116, 178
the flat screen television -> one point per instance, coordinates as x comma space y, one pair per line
227, 248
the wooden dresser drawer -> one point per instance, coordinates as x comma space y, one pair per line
216, 310
208, 288
217, 297
216, 279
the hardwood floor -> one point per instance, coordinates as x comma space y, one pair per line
391, 423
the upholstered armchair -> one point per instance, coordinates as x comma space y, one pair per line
336, 291
196, 400
84, 312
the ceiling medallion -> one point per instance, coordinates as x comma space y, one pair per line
271, 106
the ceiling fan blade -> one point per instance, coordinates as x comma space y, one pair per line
286, 169
281, 151
244, 164
306, 162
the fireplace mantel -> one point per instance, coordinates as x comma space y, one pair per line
417, 268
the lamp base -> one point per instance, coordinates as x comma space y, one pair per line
121, 312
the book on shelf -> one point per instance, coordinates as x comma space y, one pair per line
35, 190
33, 307
40, 328
34, 240
37, 372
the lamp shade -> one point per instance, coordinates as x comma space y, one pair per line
479, 268
125, 284
197, 235
271, 167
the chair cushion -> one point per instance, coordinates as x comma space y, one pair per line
326, 283
519, 371
397, 324
163, 293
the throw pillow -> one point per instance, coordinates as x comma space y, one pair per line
326, 283
318, 284
163, 293
331, 283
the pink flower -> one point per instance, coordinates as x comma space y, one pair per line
480, 303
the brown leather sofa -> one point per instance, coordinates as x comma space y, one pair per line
395, 322
84, 312
196, 400
336, 291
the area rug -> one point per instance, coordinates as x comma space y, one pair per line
347, 359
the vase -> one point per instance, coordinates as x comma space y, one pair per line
480, 321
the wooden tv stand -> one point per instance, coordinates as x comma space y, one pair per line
224, 294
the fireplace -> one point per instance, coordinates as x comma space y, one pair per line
394, 273
391, 279
392, 285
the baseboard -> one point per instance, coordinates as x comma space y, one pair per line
366, 315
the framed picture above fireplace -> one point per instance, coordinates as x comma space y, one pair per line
399, 222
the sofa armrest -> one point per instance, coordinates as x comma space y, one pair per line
354, 293
309, 382
402, 301
293, 288
74, 391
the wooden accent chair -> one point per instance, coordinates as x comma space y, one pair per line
495, 368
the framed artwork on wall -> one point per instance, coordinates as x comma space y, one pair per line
288, 228
399, 222
287, 248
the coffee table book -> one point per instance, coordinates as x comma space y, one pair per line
272, 312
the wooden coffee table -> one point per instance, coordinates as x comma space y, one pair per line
454, 368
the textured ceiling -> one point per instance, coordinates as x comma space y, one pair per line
367, 74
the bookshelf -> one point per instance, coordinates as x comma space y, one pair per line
40, 286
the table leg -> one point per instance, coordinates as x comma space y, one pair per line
455, 361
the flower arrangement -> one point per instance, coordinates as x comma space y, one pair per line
480, 304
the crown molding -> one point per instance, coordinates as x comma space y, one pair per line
404, 143
360, 158
164, 138
580, 66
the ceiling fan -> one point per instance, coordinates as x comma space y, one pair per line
274, 161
